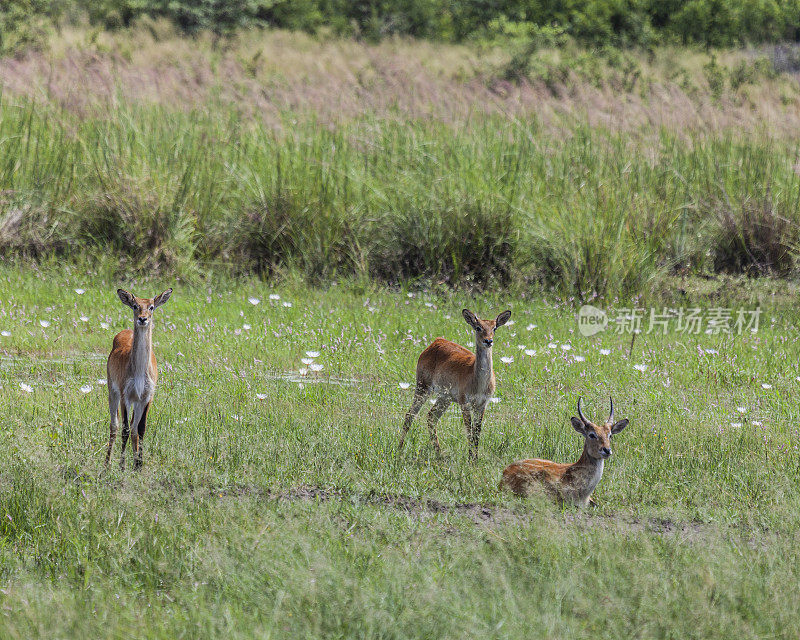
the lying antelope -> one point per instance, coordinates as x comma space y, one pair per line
454, 373
569, 482
132, 374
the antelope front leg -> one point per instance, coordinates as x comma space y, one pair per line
126, 431
135, 447
467, 413
113, 409
138, 442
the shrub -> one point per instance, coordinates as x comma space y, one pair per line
144, 227
23, 24
715, 76
459, 240
753, 238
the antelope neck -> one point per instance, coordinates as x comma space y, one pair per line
483, 360
142, 346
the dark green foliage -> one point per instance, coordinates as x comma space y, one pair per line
617, 23
22, 23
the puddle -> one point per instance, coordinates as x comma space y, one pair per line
297, 378
9, 362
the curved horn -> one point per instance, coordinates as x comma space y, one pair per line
611, 415
580, 413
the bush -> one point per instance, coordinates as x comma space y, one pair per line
283, 230
456, 241
23, 24
146, 228
754, 239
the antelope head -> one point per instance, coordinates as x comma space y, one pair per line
598, 437
484, 329
143, 307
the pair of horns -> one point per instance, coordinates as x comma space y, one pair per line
584, 419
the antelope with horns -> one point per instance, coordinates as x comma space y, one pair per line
132, 374
454, 373
568, 482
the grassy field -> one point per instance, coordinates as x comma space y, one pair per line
273, 503
326, 195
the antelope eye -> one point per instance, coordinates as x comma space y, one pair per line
151, 307
593, 435
135, 307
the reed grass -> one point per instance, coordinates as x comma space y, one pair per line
493, 201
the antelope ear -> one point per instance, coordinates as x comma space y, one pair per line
471, 318
161, 299
578, 425
502, 319
619, 426
127, 298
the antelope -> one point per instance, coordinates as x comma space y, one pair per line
568, 482
132, 374
454, 373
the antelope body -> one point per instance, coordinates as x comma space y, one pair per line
132, 374
454, 373
568, 482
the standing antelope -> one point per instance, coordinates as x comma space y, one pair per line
455, 373
569, 482
132, 374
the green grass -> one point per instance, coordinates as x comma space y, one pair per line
294, 515
496, 202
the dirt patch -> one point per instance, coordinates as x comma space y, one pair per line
487, 514
482, 514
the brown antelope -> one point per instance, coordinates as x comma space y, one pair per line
454, 373
568, 482
132, 374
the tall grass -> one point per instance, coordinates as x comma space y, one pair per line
493, 200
